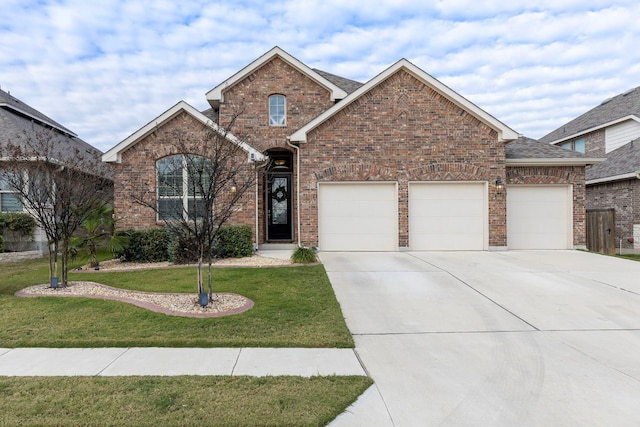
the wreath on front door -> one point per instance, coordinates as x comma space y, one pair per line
280, 194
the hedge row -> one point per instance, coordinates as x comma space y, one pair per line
160, 244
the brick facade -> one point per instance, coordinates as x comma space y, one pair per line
136, 173
246, 105
401, 131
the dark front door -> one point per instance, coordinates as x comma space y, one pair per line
279, 225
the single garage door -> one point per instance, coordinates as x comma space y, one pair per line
447, 216
358, 217
539, 217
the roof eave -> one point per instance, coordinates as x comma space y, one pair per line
632, 175
595, 128
39, 119
216, 95
114, 155
505, 133
554, 162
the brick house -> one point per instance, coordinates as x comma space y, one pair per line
400, 162
610, 130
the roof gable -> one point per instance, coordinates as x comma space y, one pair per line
115, 153
216, 95
504, 132
622, 107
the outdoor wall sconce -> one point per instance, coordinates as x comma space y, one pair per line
234, 186
499, 185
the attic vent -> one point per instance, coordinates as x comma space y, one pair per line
628, 92
605, 101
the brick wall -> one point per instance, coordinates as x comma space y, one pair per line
401, 131
136, 174
595, 144
624, 197
246, 105
558, 175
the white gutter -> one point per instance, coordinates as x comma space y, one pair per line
595, 128
297, 189
257, 239
631, 175
554, 162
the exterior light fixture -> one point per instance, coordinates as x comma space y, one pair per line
499, 185
234, 186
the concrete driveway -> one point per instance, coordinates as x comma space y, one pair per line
514, 338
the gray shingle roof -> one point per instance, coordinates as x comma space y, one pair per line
622, 105
622, 161
16, 118
343, 83
528, 148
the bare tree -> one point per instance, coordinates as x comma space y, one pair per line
198, 187
59, 182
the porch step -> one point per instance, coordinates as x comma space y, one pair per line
277, 247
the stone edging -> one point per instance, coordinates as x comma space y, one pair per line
145, 304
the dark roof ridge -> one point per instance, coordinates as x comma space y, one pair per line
609, 110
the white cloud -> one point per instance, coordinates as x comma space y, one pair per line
105, 68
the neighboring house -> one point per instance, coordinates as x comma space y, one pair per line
401, 162
610, 130
18, 122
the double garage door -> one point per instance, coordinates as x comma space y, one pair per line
442, 216
364, 216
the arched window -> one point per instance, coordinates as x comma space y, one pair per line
277, 110
183, 180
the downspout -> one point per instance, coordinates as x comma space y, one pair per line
257, 206
297, 189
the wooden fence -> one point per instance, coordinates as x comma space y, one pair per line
601, 230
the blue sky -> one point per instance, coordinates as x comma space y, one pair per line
104, 68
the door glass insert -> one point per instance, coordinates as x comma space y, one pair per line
279, 204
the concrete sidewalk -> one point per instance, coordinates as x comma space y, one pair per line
304, 362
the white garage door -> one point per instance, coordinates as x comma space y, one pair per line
358, 217
448, 216
539, 217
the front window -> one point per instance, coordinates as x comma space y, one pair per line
575, 145
277, 115
9, 199
183, 180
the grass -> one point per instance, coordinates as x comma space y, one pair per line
633, 257
176, 401
294, 307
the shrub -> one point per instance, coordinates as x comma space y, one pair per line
1, 244
17, 230
182, 248
146, 245
304, 256
234, 241
18, 222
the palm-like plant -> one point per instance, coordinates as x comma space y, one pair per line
97, 232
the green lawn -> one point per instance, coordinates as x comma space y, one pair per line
294, 307
176, 401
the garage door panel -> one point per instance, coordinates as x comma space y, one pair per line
447, 216
455, 225
358, 217
539, 217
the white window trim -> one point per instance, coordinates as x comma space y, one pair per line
284, 106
